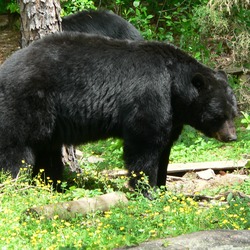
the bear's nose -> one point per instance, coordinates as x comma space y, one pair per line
232, 137
228, 137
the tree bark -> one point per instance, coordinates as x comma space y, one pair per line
39, 18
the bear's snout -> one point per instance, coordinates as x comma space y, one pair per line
227, 133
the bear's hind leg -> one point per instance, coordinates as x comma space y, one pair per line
12, 158
50, 160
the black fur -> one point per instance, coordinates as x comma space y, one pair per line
72, 88
102, 22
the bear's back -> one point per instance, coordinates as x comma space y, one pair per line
104, 23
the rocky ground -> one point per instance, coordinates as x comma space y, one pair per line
206, 240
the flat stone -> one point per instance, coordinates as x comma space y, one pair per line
204, 240
206, 174
95, 159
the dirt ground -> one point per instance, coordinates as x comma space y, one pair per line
9, 42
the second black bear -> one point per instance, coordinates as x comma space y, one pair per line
102, 22
72, 88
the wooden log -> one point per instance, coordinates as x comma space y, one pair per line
186, 167
67, 210
236, 70
215, 165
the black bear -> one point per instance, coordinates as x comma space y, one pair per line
102, 22
72, 88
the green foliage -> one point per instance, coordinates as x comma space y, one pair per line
73, 6
109, 150
234, 214
12, 6
93, 179
138, 14
228, 23
220, 189
246, 120
2, 7
204, 28
193, 146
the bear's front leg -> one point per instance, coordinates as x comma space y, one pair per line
163, 166
142, 159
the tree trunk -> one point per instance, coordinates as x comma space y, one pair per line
39, 18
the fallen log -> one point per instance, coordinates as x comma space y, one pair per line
67, 210
215, 165
236, 70
186, 167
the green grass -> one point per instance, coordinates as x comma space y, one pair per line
140, 220
192, 146
170, 214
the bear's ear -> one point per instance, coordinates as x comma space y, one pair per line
198, 81
221, 75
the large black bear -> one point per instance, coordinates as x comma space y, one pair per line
102, 22
72, 88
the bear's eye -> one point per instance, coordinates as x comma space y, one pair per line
198, 81
226, 117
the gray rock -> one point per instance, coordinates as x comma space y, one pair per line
204, 240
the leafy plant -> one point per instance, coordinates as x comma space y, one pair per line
73, 6
227, 22
13, 6
138, 15
246, 120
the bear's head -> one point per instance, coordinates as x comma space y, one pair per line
215, 107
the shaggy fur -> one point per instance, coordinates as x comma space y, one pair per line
72, 88
104, 23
